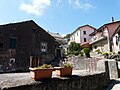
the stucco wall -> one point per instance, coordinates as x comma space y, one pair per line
88, 30
116, 47
102, 46
78, 36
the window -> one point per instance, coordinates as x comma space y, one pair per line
84, 32
95, 46
1, 46
77, 33
84, 39
12, 43
44, 47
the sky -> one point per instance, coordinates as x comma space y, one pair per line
60, 16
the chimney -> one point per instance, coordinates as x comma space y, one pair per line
113, 19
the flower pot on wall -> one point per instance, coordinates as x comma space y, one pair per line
63, 71
40, 74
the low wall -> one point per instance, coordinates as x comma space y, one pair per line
89, 82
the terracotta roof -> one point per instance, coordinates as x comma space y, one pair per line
108, 24
99, 29
116, 30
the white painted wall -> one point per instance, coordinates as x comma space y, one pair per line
79, 36
116, 47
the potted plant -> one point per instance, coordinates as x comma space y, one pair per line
65, 69
41, 72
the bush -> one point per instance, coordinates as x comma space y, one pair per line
74, 48
87, 52
76, 52
81, 54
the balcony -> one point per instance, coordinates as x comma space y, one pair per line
98, 39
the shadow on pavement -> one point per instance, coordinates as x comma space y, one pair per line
112, 84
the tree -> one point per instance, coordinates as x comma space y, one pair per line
67, 37
74, 48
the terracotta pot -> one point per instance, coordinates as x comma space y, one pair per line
64, 71
40, 74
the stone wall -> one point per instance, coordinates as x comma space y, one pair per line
28, 36
110, 66
82, 63
89, 82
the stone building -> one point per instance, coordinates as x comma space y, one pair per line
63, 42
24, 40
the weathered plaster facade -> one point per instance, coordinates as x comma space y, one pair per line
102, 38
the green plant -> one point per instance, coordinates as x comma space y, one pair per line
66, 64
44, 66
87, 52
74, 48
98, 51
81, 54
110, 53
104, 53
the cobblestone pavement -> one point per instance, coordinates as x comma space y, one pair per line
113, 85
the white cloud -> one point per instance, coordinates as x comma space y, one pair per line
36, 7
78, 5
59, 1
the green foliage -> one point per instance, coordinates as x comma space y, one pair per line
67, 36
87, 52
65, 64
74, 48
98, 51
104, 53
44, 66
107, 54
68, 65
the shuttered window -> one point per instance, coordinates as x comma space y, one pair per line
12, 44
